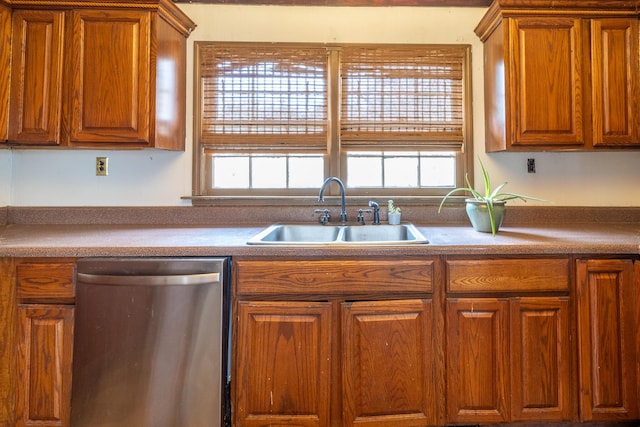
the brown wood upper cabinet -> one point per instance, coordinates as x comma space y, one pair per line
5, 67
560, 78
96, 76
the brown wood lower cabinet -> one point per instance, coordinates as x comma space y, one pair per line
608, 339
444, 340
387, 363
330, 360
45, 351
283, 357
508, 359
508, 355
45, 317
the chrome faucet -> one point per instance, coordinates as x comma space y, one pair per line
343, 203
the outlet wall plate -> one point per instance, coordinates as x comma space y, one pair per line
102, 166
531, 165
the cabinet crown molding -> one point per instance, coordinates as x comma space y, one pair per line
575, 8
165, 8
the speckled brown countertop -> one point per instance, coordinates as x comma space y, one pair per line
81, 232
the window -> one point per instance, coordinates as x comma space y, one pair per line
277, 119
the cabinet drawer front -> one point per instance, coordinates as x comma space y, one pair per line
507, 275
349, 277
46, 281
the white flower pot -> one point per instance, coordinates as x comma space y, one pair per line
394, 219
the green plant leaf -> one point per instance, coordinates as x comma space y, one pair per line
490, 196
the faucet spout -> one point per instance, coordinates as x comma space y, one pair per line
343, 204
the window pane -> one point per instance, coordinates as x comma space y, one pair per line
401, 171
231, 172
364, 170
306, 172
269, 172
392, 169
438, 171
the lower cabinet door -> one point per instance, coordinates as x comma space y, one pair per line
45, 352
607, 325
283, 364
387, 363
540, 359
508, 360
477, 352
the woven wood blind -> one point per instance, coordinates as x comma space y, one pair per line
402, 95
255, 95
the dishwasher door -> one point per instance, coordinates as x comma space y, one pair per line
150, 343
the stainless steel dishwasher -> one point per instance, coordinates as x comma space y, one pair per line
151, 343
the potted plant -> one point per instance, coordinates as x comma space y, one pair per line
486, 211
394, 213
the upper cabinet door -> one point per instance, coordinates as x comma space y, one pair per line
547, 84
36, 88
615, 74
111, 77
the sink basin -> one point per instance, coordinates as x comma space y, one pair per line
405, 233
292, 233
317, 234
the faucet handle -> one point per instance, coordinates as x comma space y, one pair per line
325, 215
361, 213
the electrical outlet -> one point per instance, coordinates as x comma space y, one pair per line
102, 166
531, 165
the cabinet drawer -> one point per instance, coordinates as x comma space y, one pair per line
46, 280
507, 275
332, 277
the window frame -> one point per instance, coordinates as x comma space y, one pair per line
335, 155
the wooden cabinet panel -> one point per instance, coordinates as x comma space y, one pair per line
46, 281
547, 81
8, 342
330, 277
540, 362
45, 347
290, 383
111, 57
387, 367
507, 275
36, 69
5, 68
508, 360
615, 71
477, 352
606, 339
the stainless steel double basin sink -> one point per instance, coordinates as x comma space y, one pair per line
318, 234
